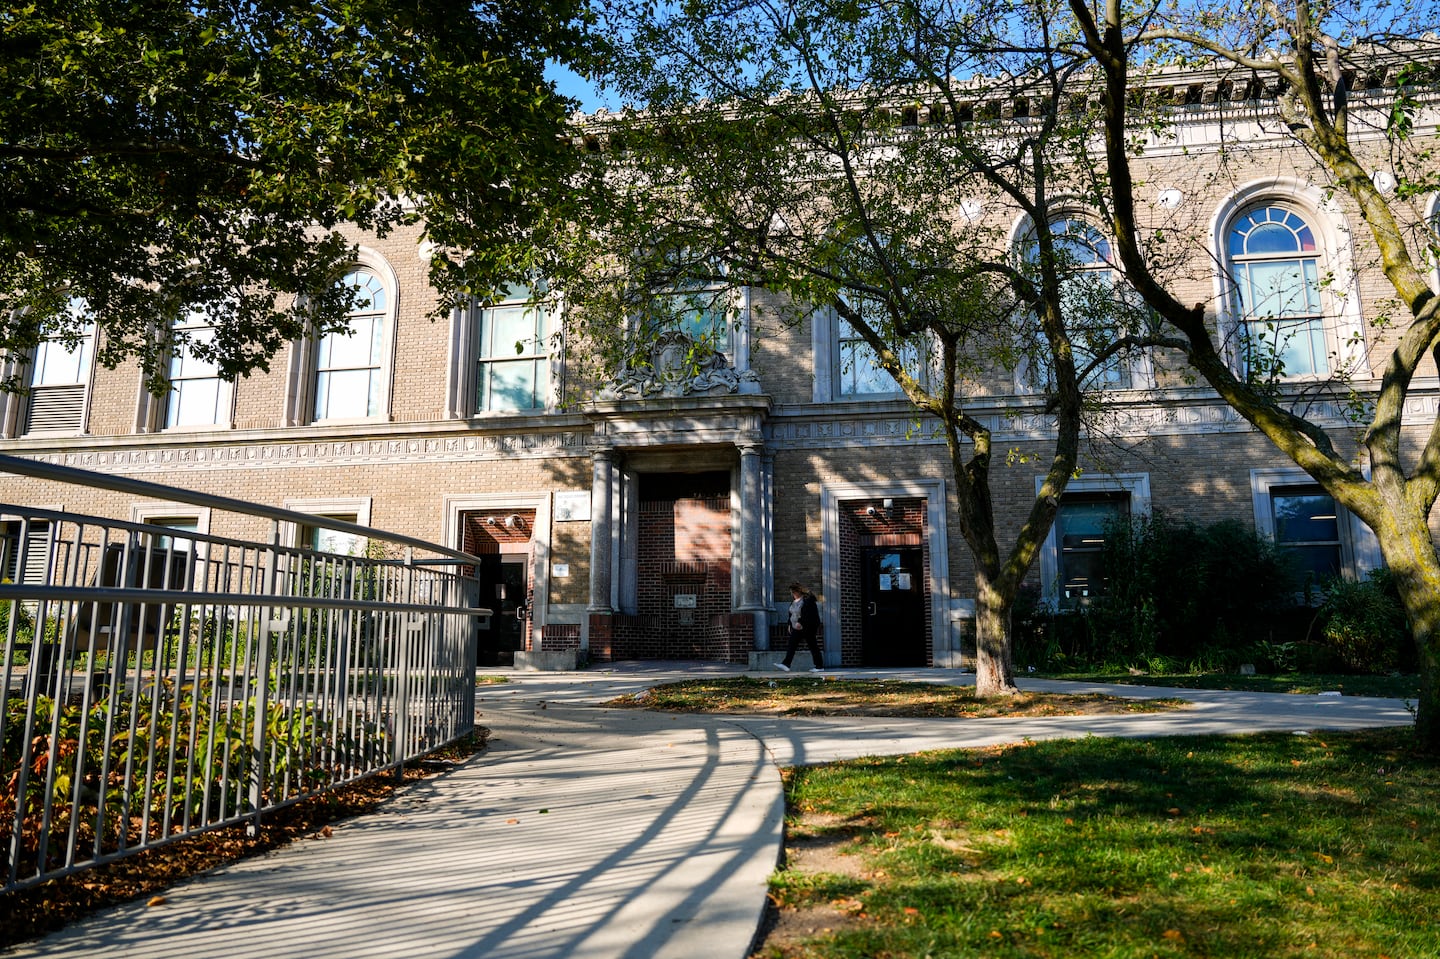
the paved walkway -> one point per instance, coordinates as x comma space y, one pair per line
586, 833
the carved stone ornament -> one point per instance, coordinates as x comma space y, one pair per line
667, 368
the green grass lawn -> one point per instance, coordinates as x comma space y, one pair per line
1400, 686
1323, 845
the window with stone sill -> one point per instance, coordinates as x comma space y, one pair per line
198, 396
61, 369
350, 364
1096, 312
1275, 275
513, 361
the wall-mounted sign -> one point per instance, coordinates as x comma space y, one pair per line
685, 600
902, 580
560, 570
572, 507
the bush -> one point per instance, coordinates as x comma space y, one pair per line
1176, 593
1364, 624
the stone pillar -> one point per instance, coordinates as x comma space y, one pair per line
602, 508
752, 524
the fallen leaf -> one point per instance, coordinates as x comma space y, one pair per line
327, 832
1174, 935
157, 901
911, 911
995, 934
512, 822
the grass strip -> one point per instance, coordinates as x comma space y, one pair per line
829, 696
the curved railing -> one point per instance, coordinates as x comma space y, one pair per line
159, 682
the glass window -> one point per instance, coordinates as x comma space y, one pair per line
60, 375
349, 364
1275, 269
858, 371
1307, 526
333, 541
1089, 301
198, 396
514, 368
700, 310
1081, 524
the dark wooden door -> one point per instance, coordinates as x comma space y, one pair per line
893, 614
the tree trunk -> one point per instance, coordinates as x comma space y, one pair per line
1410, 553
994, 670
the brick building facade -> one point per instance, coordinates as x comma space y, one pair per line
667, 524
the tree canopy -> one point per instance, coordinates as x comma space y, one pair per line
833, 154
159, 157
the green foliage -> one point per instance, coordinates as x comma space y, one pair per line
1176, 592
158, 157
170, 760
1363, 623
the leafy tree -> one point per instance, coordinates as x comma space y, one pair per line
1314, 56
158, 157
825, 151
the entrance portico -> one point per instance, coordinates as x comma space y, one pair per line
668, 579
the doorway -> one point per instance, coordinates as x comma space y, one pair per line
892, 595
502, 589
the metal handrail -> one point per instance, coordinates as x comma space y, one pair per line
180, 684
38, 469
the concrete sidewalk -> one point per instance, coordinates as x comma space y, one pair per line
592, 833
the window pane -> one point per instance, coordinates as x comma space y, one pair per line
344, 394
1080, 527
194, 403
505, 326
1307, 526
59, 364
514, 385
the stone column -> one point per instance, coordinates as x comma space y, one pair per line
602, 507
750, 553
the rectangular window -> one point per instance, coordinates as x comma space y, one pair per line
514, 368
198, 396
334, 541
701, 311
27, 551
60, 379
1081, 526
1307, 526
858, 370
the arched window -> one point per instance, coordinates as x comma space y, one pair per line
1274, 266
1095, 314
350, 368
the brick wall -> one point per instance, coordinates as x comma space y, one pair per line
683, 549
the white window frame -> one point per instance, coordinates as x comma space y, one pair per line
304, 354
350, 509
1137, 485
1138, 363
225, 389
825, 343
86, 357
1340, 317
1359, 549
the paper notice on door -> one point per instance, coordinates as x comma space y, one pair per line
885, 584
902, 581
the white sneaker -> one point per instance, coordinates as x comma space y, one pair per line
815, 669
782, 667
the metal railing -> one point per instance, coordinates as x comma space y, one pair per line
159, 681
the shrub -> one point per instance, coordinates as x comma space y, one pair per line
1364, 624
